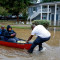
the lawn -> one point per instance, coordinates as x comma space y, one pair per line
14, 25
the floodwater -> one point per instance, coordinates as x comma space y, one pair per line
52, 47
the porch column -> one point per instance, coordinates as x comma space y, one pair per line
48, 12
55, 14
50, 19
30, 21
41, 12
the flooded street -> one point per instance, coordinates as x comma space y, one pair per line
52, 47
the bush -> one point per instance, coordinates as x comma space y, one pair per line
45, 23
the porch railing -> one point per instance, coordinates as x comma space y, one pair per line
35, 13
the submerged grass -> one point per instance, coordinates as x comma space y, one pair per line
19, 27
24, 27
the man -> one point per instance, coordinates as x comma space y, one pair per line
42, 34
10, 35
2, 31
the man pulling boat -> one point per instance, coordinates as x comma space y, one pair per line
42, 34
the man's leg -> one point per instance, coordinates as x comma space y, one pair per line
16, 39
40, 47
41, 41
32, 48
12, 40
35, 43
2, 37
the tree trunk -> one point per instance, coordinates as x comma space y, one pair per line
17, 18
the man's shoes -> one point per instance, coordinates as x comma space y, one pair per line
40, 48
29, 51
43, 49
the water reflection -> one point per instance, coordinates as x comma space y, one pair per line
54, 32
55, 36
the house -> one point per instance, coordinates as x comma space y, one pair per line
45, 11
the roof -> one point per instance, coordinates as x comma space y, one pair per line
47, 3
51, 3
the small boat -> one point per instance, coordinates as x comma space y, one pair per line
20, 44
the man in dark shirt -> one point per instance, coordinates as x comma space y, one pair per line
2, 31
10, 35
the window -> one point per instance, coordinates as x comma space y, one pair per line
34, 9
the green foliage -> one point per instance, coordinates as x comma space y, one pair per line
14, 6
3, 11
25, 15
41, 22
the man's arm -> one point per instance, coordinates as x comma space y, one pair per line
14, 33
29, 38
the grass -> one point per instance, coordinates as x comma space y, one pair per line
14, 25
19, 27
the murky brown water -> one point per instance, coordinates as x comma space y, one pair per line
52, 52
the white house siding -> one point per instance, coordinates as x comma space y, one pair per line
31, 9
44, 14
57, 15
58, 12
52, 9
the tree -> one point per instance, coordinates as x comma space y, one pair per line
15, 6
3, 11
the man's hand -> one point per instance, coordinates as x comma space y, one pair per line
27, 41
12, 35
29, 38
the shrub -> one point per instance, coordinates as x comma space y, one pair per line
45, 23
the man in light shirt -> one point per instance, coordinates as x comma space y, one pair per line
42, 34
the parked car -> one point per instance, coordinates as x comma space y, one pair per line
3, 18
9, 17
14, 16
